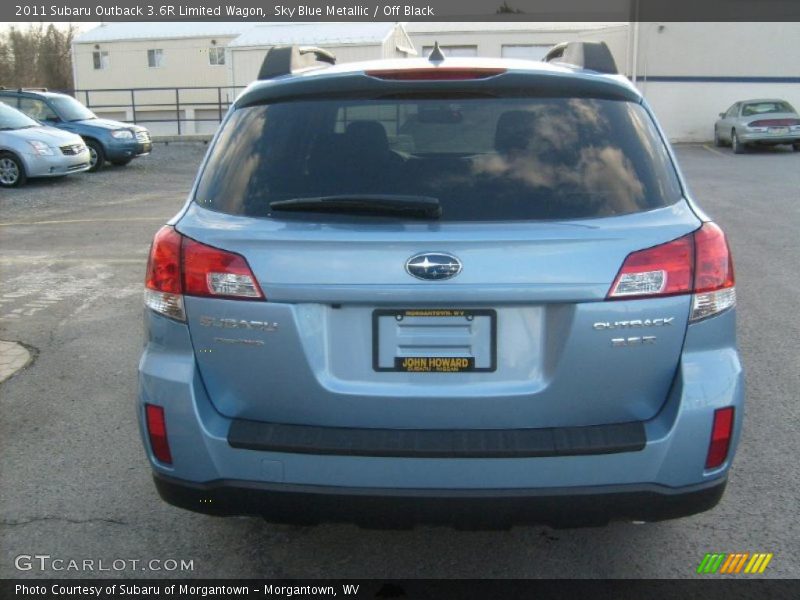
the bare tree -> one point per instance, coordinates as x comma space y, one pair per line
37, 57
505, 9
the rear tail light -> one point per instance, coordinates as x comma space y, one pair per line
721, 434
774, 123
163, 288
713, 280
157, 432
435, 73
209, 271
699, 263
180, 266
659, 271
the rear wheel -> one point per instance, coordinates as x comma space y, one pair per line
12, 171
97, 157
738, 147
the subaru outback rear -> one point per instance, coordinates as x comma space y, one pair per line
473, 292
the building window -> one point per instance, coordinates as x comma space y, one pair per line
216, 56
100, 60
453, 51
155, 58
525, 51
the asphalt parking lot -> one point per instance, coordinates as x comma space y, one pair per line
74, 482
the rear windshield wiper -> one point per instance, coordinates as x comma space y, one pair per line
418, 207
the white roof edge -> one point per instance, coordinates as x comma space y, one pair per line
159, 38
323, 44
129, 31
436, 27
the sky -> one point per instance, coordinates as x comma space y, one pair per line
4, 26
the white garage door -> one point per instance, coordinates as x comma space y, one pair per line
525, 51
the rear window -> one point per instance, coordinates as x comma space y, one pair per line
483, 159
763, 108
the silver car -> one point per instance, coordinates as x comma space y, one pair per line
767, 122
30, 149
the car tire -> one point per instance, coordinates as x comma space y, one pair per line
717, 139
97, 155
12, 171
796, 147
738, 147
121, 163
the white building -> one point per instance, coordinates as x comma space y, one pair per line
515, 39
349, 42
689, 72
210, 62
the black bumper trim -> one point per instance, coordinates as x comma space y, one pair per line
437, 443
388, 508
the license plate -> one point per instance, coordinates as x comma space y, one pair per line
434, 340
779, 130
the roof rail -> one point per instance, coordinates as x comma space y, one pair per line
285, 60
32, 89
594, 56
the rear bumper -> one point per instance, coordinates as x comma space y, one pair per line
763, 138
379, 507
219, 468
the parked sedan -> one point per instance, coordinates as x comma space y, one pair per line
758, 122
113, 141
30, 149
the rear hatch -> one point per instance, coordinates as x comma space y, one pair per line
491, 314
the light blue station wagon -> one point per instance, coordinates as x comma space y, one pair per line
467, 291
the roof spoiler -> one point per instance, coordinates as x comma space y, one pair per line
593, 56
285, 60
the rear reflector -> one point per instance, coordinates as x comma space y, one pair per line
180, 266
435, 74
157, 432
699, 263
721, 434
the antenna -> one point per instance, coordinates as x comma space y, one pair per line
436, 55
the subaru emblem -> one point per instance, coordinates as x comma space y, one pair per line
433, 265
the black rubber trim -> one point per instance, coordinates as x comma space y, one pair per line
437, 443
358, 85
487, 508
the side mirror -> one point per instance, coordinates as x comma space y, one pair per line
721, 115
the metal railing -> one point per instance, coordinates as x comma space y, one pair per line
209, 98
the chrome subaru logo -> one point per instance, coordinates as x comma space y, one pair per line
433, 265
